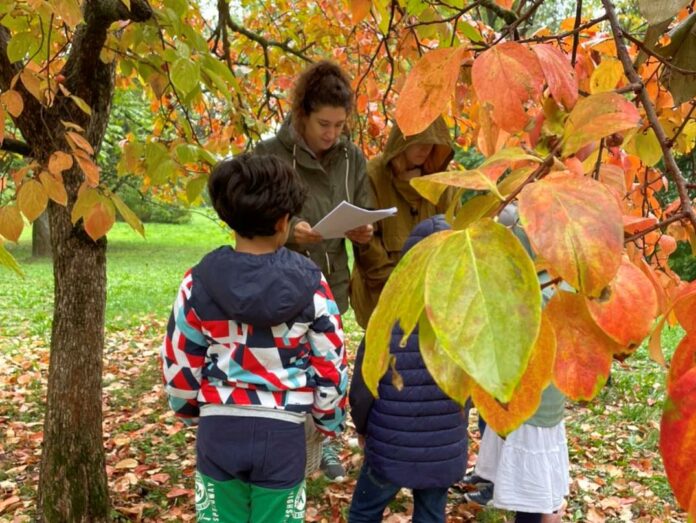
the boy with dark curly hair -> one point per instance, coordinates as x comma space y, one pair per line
254, 344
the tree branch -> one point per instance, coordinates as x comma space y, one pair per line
263, 42
670, 164
675, 218
15, 146
509, 16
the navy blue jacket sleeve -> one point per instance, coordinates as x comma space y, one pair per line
360, 397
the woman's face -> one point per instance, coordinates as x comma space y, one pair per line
323, 127
417, 153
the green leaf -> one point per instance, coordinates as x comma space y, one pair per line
195, 187
449, 376
475, 209
402, 300
21, 45
185, 75
163, 172
509, 155
470, 31
656, 11
682, 51
7, 260
483, 301
128, 215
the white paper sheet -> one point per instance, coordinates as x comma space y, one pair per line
346, 216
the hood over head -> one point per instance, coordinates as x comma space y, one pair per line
437, 134
261, 290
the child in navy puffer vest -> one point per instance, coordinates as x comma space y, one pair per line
414, 438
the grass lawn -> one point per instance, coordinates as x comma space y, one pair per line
616, 471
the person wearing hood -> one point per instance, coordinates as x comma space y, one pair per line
404, 158
314, 141
254, 346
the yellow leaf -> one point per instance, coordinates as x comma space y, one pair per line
88, 167
648, 147
59, 162
81, 104
12, 101
128, 463
2, 125
606, 76
7, 260
54, 189
128, 215
11, 223
32, 83
32, 199
86, 198
69, 11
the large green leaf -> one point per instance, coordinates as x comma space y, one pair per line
449, 376
185, 75
681, 53
483, 301
402, 300
575, 224
597, 116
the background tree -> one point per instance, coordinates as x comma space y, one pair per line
590, 112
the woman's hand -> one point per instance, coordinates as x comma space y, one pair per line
305, 234
361, 234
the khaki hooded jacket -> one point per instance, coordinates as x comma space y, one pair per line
338, 175
375, 261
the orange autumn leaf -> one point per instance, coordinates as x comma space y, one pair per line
359, 9
89, 168
678, 437
77, 141
428, 89
627, 308
54, 189
59, 162
515, 67
583, 352
685, 307
636, 224
99, 219
32, 199
11, 223
574, 223
506, 417
560, 75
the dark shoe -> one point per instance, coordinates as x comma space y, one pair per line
483, 497
473, 479
330, 464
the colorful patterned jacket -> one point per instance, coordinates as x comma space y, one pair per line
260, 332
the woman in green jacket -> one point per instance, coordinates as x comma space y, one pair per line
390, 173
313, 140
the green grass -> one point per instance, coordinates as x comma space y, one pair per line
142, 275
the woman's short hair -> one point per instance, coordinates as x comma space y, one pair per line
319, 85
250, 193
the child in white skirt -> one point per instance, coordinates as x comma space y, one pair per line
530, 467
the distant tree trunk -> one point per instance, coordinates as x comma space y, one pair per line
73, 484
41, 237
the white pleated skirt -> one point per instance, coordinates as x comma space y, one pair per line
529, 468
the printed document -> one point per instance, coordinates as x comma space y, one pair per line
346, 217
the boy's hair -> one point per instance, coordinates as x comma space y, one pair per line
321, 84
252, 192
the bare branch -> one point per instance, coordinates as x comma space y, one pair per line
664, 223
670, 164
15, 146
576, 34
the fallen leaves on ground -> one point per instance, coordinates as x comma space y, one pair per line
616, 471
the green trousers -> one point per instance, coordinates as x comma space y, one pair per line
234, 501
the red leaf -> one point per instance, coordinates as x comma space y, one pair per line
684, 358
583, 351
560, 75
428, 89
627, 313
678, 437
507, 76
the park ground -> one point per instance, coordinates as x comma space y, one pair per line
616, 470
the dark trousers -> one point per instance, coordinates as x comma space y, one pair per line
372, 495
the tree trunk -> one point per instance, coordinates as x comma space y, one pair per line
41, 237
73, 485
